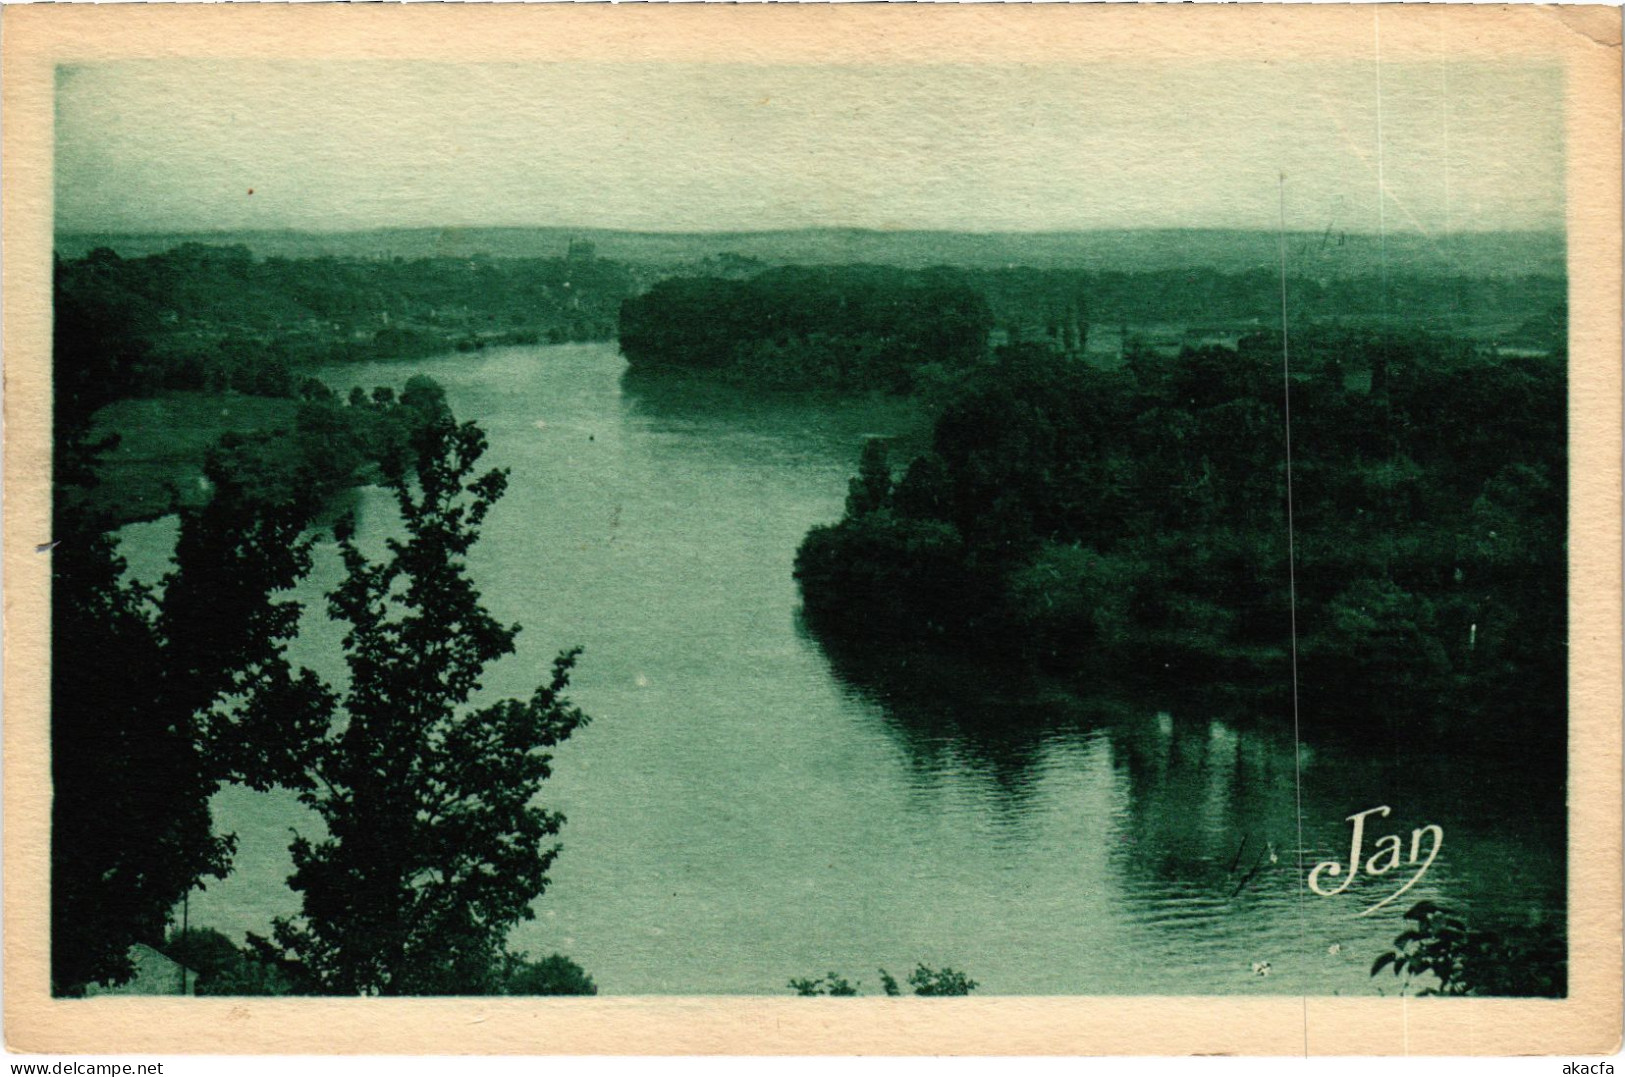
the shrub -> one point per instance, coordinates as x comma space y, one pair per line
1466, 961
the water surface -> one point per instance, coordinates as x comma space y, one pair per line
748, 806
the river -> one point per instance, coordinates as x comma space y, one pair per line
745, 808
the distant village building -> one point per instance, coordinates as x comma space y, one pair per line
155, 974
581, 250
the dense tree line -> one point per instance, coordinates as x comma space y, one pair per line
1521, 310
870, 327
857, 327
107, 347
217, 318
1136, 519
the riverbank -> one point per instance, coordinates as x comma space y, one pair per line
278, 448
163, 442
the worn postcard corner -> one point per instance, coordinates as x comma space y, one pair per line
855, 529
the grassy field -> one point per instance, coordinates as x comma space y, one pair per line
162, 443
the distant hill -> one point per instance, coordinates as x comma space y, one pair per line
1329, 254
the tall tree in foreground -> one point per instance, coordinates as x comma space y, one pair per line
157, 695
435, 847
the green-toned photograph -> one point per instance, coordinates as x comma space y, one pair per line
809, 529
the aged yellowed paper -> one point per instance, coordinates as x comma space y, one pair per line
1109, 513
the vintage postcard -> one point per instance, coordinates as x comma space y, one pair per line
824, 530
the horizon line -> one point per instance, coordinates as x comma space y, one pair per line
363, 229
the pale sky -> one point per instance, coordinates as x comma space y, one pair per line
177, 145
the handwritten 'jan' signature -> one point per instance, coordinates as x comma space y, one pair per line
1384, 859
